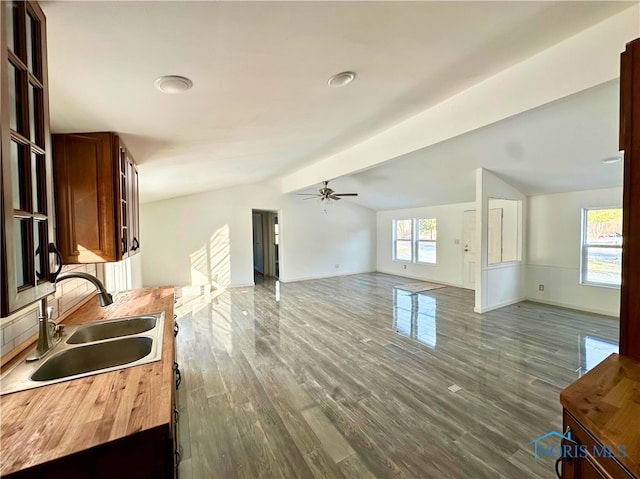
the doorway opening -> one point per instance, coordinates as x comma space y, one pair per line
266, 244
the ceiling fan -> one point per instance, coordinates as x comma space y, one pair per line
326, 193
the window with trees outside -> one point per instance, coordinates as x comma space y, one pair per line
601, 246
426, 240
403, 240
414, 240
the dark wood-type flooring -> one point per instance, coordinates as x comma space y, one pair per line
349, 377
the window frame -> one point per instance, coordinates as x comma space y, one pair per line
394, 252
416, 225
414, 241
584, 248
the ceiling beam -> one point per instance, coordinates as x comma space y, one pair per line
580, 62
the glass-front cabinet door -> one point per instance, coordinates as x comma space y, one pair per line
27, 212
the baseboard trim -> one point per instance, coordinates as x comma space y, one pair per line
574, 307
499, 305
418, 278
309, 278
241, 285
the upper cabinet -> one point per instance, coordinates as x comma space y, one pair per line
25, 145
96, 198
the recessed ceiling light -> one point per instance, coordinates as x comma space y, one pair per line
173, 84
341, 79
613, 159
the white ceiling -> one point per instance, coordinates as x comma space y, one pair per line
554, 148
260, 106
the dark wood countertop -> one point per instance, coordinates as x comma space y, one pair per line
50, 422
606, 401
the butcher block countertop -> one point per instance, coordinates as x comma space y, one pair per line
606, 401
51, 422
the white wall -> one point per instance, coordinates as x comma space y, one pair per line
501, 284
207, 238
449, 222
554, 251
124, 275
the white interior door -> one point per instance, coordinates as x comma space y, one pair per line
469, 250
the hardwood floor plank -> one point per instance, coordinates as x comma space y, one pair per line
329, 437
288, 456
353, 468
353, 426
263, 461
233, 462
317, 456
330, 382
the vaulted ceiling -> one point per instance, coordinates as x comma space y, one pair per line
555, 148
260, 106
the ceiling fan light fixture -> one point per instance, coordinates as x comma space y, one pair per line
173, 84
341, 79
326, 194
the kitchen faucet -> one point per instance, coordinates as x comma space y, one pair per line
45, 325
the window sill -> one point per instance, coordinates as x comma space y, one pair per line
600, 285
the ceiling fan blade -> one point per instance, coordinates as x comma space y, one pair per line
326, 193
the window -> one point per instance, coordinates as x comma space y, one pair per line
402, 241
601, 246
414, 240
426, 240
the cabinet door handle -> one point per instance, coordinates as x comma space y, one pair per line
135, 244
38, 251
178, 458
54, 250
176, 329
176, 368
559, 460
176, 415
567, 432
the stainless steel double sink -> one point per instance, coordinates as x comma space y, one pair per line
89, 349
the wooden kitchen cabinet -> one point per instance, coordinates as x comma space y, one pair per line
600, 410
590, 466
25, 147
96, 198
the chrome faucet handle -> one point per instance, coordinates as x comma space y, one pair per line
58, 332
